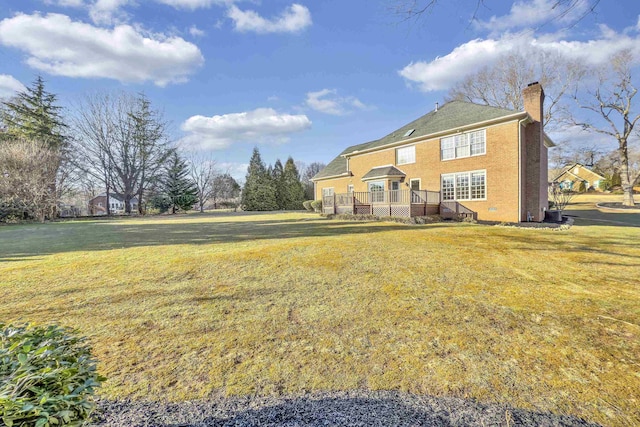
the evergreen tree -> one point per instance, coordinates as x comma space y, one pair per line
177, 185
259, 192
292, 189
277, 174
34, 115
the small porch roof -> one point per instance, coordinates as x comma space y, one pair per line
382, 172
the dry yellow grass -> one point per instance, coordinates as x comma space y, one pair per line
185, 307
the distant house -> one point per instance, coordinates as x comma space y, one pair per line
98, 205
459, 159
572, 175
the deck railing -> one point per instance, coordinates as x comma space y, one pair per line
390, 197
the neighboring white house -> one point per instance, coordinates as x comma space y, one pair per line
98, 205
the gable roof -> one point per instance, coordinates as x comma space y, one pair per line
584, 172
450, 116
383, 172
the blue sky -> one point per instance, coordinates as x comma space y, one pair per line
296, 78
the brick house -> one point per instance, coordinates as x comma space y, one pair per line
572, 175
461, 158
98, 204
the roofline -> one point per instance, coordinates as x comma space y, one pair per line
435, 134
342, 175
381, 177
547, 141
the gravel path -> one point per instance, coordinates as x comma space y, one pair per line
355, 408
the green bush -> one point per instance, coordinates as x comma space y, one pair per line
160, 203
307, 205
47, 376
317, 205
582, 187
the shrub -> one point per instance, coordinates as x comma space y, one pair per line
317, 205
307, 205
160, 202
48, 376
582, 187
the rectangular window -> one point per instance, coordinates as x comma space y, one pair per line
463, 145
448, 148
406, 155
376, 188
327, 191
477, 142
414, 184
448, 187
478, 186
464, 186
350, 188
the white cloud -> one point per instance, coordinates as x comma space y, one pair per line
192, 4
9, 85
65, 3
443, 72
262, 125
108, 12
236, 170
326, 101
59, 46
293, 19
195, 31
527, 14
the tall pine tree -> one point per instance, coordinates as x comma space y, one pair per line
177, 186
259, 192
292, 189
277, 175
34, 116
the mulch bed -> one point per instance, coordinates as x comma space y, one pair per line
353, 408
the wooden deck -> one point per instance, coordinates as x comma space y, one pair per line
403, 203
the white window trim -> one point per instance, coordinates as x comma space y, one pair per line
327, 195
404, 148
350, 188
415, 179
455, 157
455, 191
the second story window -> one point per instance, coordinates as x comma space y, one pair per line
463, 145
406, 155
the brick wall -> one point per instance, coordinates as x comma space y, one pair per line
500, 163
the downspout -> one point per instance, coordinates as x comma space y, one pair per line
520, 122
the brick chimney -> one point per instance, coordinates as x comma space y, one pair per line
534, 157
533, 96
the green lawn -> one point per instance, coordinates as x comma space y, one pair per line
191, 306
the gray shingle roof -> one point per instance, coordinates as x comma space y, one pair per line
450, 116
383, 171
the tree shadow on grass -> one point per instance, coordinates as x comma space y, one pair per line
331, 409
23, 242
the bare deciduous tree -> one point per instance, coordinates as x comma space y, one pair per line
612, 103
559, 10
202, 170
121, 142
306, 175
28, 171
501, 84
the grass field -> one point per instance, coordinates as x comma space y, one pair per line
191, 306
